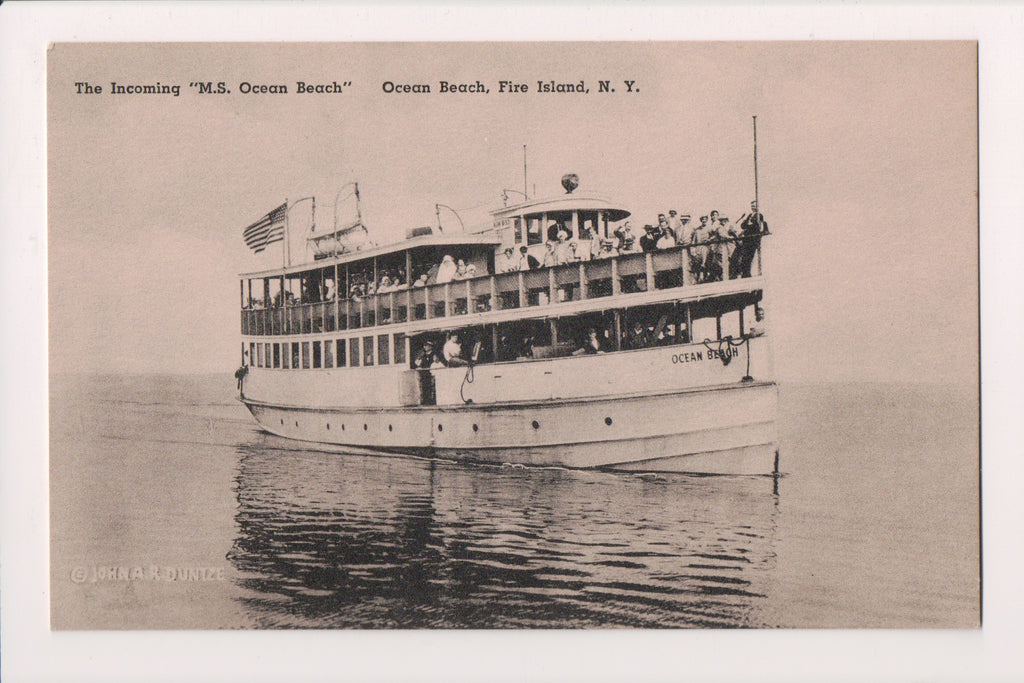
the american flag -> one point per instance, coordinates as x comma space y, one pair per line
266, 230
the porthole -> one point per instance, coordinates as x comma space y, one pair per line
342, 426
365, 427
440, 428
328, 426
608, 421
282, 421
390, 428
296, 423
476, 428
536, 425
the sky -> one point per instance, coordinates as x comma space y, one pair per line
867, 160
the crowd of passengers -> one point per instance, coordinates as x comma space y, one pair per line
672, 230
460, 348
707, 241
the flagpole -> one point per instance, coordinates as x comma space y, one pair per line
287, 237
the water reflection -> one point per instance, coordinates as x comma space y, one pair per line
331, 540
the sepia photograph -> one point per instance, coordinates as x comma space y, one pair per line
525, 345
495, 335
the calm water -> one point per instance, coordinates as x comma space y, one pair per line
874, 523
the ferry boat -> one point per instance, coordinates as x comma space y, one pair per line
547, 338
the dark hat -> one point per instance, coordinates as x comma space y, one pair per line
508, 250
648, 228
428, 342
522, 249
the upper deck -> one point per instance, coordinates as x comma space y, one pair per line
539, 258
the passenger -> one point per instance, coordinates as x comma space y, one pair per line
506, 263
460, 270
550, 257
637, 337
683, 234
553, 230
675, 224
563, 250
591, 345
607, 249
757, 327
665, 229
713, 262
452, 351
527, 261
627, 240
470, 272
421, 281
385, 285
426, 357
751, 229
666, 238
698, 251
649, 242
432, 274
447, 270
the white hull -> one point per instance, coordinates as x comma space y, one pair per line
723, 429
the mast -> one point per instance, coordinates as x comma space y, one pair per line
755, 167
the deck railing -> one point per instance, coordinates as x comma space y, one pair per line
681, 266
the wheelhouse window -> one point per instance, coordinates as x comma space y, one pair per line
277, 355
382, 349
329, 354
305, 355
295, 355
316, 354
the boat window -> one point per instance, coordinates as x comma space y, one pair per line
353, 352
259, 355
517, 340
328, 354
305, 355
400, 356
267, 356
382, 349
518, 230
340, 348
295, 355
316, 354
277, 355
534, 231
252, 353
731, 324
367, 351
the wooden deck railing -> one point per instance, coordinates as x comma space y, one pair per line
576, 281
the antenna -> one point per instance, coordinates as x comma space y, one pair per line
524, 172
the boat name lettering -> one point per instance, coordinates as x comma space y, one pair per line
302, 87
712, 354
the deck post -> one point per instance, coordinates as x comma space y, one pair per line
684, 256
617, 316
616, 285
554, 331
522, 290
447, 299
427, 312
583, 281
649, 270
552, 287
469, 297
494, 293
391, 307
